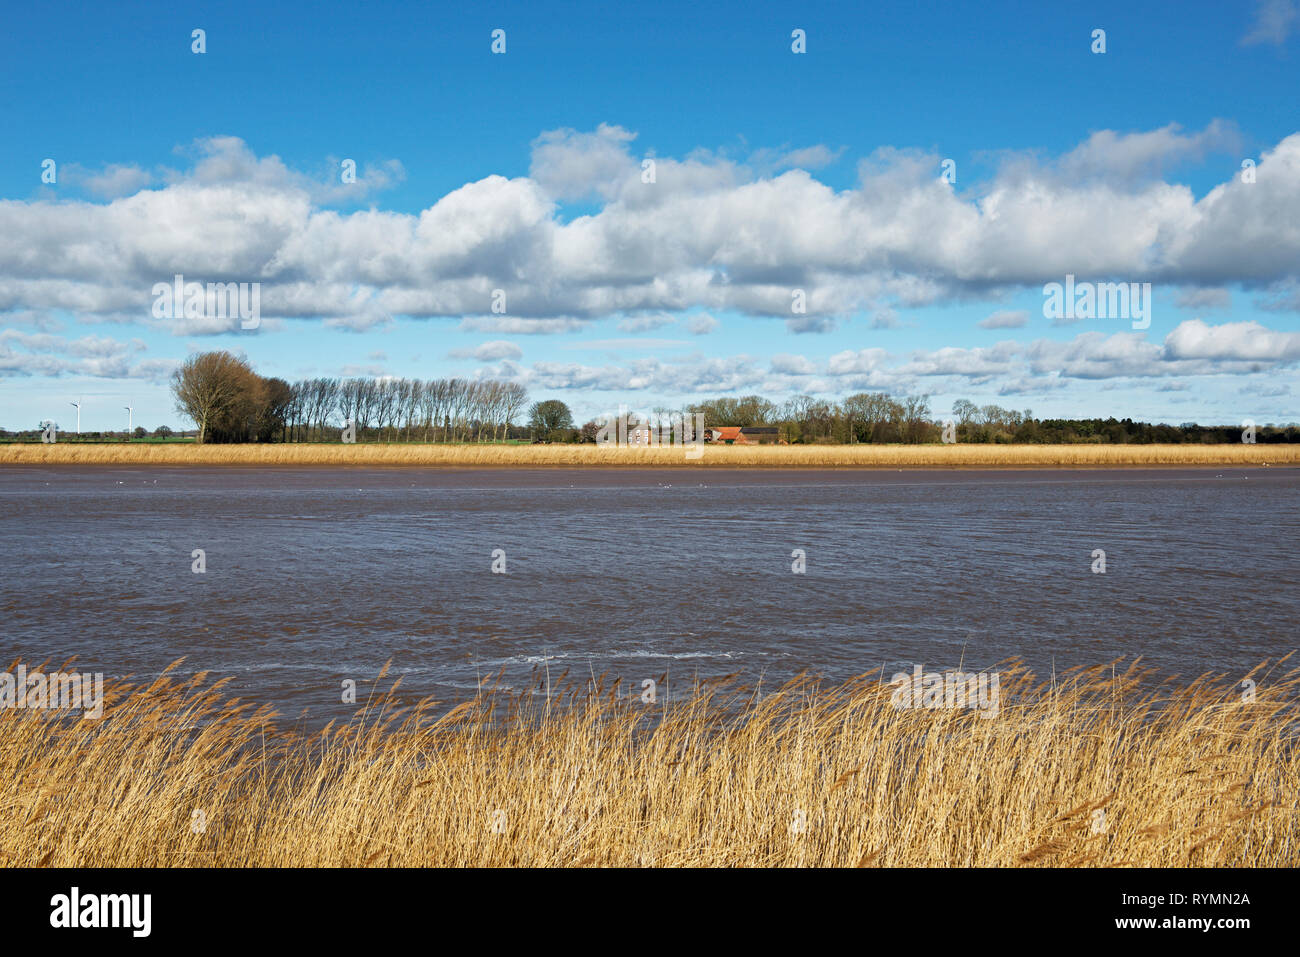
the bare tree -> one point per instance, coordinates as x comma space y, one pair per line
208, 385
514, 398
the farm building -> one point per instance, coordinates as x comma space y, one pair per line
744, 435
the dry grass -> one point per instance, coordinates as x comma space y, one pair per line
591, 456
1186, 775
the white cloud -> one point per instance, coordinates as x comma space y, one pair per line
793, 364
572, 165
810, 324
701, 324
635, 324
765, 162
111, 182
860, 361
811, 157
1044, 366
1245, 341
1128, 157
520, 326
1274, 20
1006, 319
1032, 385
1094, 355
490, 351
43, 354
977, 364
706, 235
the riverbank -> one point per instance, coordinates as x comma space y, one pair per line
1092, 768
382, 455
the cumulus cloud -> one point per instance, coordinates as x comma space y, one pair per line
1126, 157
635, 324
978, 365
1192, 348
707, 234
221, 160
44, 354
224, 160
1244, 341
111, 182
1006, 319
701, 324
362, 321
1032, 385
686, 375
856, 361
86, 346
1009, 368
765, 162
793, 365
490, 351
812, 325
568, 164
811, 157
1095, 355
520, 326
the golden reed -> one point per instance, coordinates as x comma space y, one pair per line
384, 455
1099, 767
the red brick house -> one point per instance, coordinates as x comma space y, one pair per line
744, 435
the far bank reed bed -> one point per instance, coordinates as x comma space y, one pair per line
1099, 767
384, 455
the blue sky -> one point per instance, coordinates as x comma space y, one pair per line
775, 171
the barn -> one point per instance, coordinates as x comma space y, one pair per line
744, 435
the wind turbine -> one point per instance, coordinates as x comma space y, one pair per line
130, 418
78, 405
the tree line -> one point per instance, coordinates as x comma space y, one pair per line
229, 402
397, 409
863, 417
879, 417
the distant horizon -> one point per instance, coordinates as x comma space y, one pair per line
1028, 216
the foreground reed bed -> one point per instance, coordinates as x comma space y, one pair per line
590, 456
1095, 768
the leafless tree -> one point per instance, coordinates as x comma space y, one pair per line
208, 386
